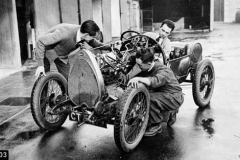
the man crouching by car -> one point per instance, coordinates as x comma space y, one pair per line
165, 91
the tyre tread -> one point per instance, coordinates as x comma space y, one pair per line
117, 125
195, 81
35, 95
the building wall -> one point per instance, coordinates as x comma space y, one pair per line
86, 9
230, 9
218, 10
125, 6
46, 16
107, 25
69, 11
211, 15
9, 41
49, 13
64, 11
136, 16
97, 13
115, 18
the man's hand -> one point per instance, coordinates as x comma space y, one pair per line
85, 45
134, 82
123, 79
40, 70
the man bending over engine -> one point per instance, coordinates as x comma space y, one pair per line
61, 40
165, 91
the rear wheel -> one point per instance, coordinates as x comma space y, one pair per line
44, 93
131, 118
203, 82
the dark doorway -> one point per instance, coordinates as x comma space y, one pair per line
24, 27
20, 4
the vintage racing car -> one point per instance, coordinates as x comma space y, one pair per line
95, 92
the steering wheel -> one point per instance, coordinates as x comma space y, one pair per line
130, 47
128, 34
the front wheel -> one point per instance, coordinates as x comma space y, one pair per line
203, 82
43, 97
131, 118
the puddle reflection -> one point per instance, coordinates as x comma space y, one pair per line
27, 135
26, 73
207, 126
4, 126
204, 119
60, 141
16, 101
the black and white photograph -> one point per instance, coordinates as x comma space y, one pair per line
119, 79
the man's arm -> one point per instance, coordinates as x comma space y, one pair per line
95, 43
161, 78
134, 82
166, 46
44, 42
41, 45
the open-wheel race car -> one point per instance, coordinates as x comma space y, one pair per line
96, 93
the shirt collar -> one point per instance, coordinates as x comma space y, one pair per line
78, 36
153, 63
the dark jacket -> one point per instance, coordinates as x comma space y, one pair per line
162, 79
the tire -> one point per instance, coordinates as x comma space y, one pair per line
41, 89
124, 122
203, 83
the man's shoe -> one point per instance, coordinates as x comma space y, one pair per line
172, 118
152, 131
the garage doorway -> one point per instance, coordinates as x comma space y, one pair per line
25, 25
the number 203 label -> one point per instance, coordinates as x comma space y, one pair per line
4, 155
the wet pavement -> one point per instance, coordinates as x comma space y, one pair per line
200, 133
15, 93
